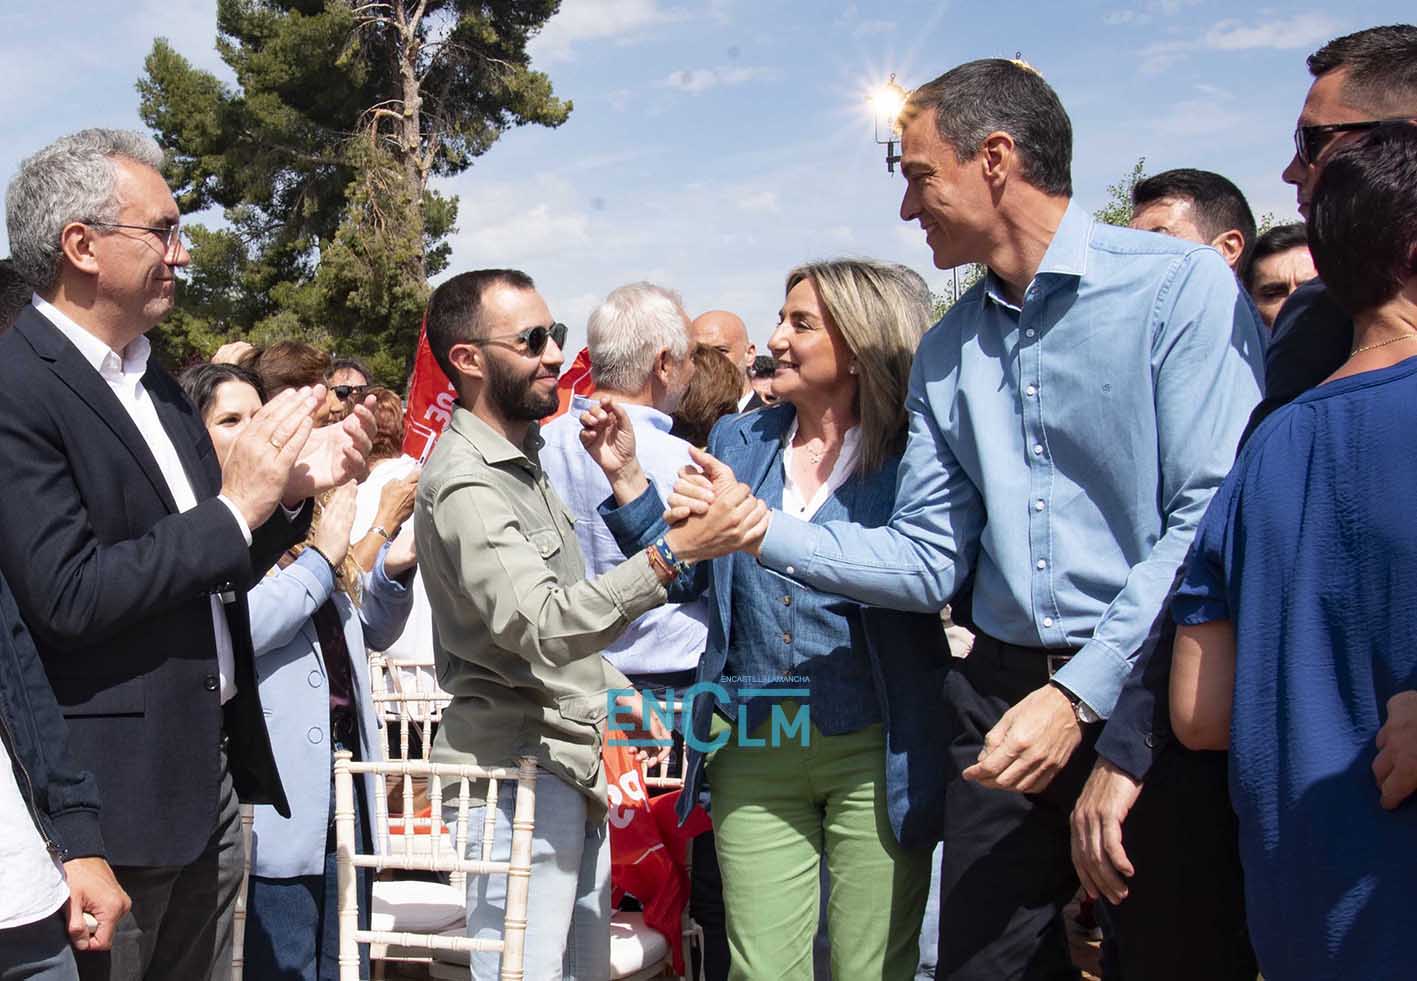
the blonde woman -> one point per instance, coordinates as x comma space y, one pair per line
860, 780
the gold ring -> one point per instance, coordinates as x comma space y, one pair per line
273, 442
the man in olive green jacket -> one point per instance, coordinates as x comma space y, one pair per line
518, 629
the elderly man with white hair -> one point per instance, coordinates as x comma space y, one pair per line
639, 356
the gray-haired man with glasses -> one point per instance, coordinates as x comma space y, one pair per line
130, 549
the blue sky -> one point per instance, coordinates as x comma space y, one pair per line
716, 144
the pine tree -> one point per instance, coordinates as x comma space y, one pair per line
321, 157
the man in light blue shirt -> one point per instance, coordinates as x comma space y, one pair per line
640, 356
1070, 418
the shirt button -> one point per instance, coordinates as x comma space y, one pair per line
315, 735
1047, 621
210, 682
787, 601
1037, 449
1038, 505
1042, 564
1030, 332
787, 638
314, 679
790, 571
1031, 391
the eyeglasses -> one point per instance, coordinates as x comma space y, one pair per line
1309, 141
170, 234
344, 392
534, 338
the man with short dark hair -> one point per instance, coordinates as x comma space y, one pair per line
1359, 79
1070, 517
1198, 206
1279, 265
519, 628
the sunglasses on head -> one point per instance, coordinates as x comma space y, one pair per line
1309, 141
345, 392
533, 338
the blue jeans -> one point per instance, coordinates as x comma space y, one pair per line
568, 902
292, 925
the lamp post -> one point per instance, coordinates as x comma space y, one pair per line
886, 104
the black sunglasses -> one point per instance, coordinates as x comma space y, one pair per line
343, 392
1309, 141
534, 338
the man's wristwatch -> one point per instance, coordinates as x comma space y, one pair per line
1081, 709
382, 532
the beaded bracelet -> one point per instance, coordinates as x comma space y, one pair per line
676, 565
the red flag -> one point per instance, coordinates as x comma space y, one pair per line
648, 848
575, 380
429, 408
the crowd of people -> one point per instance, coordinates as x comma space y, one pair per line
1088, 587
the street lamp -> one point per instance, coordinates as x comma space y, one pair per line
886, 103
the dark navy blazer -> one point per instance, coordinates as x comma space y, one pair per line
908, 652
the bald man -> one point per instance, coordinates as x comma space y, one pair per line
726, 333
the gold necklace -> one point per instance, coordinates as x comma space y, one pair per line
1390, 340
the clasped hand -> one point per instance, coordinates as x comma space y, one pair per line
724, 517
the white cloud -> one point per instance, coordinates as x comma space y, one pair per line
597, 20
759, 202
1284, 32
1199, 117
869, 27
696, 80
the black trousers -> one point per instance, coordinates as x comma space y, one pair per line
1006, 871
1184, 915
181, 925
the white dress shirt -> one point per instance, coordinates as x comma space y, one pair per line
124, 374
844, 467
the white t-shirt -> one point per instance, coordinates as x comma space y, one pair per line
31, 877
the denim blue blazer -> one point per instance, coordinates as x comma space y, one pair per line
908, 652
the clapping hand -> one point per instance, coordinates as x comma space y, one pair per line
333, 454
257, 471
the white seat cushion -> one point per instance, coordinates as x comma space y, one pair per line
634, 946
408, 905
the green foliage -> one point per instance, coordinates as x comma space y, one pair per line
1118, 209
321, 156
959, 283
1266, 222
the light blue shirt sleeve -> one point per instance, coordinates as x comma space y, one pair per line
1204, 387
1087, 432
918, 560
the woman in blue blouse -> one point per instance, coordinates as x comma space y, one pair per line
861, 773
1297, 639
312, 623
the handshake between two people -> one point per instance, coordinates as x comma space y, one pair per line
282, 457
710, 512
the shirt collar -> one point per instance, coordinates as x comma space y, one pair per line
636, 412
495, 448
1066, 255
103, 359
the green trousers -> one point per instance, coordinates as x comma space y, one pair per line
776, 810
